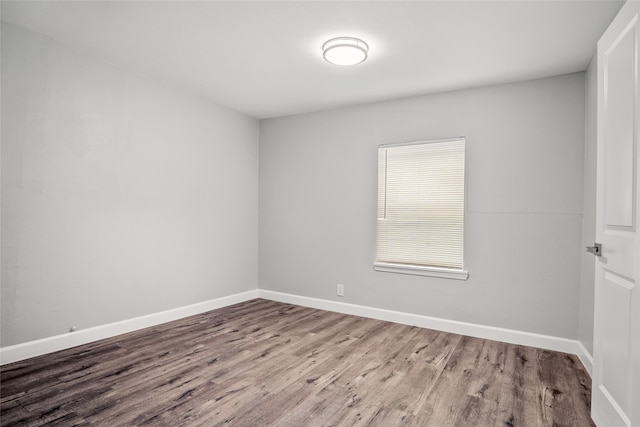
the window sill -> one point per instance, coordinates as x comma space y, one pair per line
446, 273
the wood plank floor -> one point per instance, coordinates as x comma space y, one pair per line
264, 363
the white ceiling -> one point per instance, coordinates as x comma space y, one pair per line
264, 58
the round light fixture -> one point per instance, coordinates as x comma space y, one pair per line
345, 51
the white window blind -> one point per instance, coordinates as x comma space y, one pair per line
421, 205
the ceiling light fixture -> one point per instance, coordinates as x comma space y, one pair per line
345, 51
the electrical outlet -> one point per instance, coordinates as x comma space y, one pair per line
340, 290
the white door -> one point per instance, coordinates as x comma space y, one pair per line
616, 370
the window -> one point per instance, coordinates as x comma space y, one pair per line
421, 208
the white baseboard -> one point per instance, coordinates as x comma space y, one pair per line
39, 347
548, 342
84, 336
585, 357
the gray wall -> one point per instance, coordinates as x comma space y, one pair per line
587, 288
120, 197
525, 146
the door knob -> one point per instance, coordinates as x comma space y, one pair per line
596, 249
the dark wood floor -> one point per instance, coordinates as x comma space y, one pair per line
263, 363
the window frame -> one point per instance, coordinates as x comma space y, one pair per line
425, 270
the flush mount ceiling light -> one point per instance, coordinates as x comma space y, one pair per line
345, 51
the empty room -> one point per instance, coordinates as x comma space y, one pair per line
320, 213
